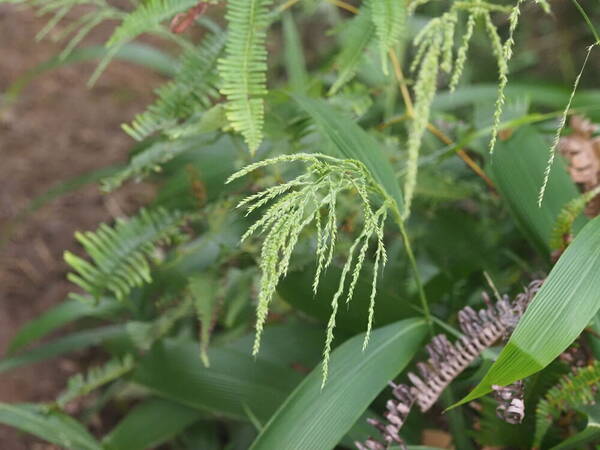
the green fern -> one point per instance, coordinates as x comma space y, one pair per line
80, 385
389, 18
243, 69
192, 90
120, 254
564, 222
358, 35
574, 390
296, 204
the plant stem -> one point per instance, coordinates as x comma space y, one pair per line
413, 266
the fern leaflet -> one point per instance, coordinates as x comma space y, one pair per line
147, 17
573, 391
120, 254
80, 385
192, 90
243, 69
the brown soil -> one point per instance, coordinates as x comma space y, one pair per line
57, 130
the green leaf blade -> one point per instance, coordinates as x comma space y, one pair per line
51, 426
355, 380
567, 301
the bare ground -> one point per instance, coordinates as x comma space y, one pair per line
57, 130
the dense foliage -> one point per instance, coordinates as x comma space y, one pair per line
338, 183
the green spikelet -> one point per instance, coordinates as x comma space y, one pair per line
461, 53
294, 205
389, 18
80, 385
243, 70
120, 254
430, 39
561, 126
574, 390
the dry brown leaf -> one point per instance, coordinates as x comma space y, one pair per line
582, 151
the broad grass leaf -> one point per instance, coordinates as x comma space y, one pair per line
235, 383
517, 168
567, 301
51, 426
315, 418
69, 343
65, 312
150, 424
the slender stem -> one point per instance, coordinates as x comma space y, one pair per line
344, 5
402, 84
413, 266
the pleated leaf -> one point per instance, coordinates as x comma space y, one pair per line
315, 418
568, 300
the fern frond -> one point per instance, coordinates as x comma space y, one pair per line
243, 69
120, 254
192, 90
293, 206
80, 27
147, 17
150, 160
574, 390
461, 53
389, 18
80, 385
357, 36
564, 222
145, 334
